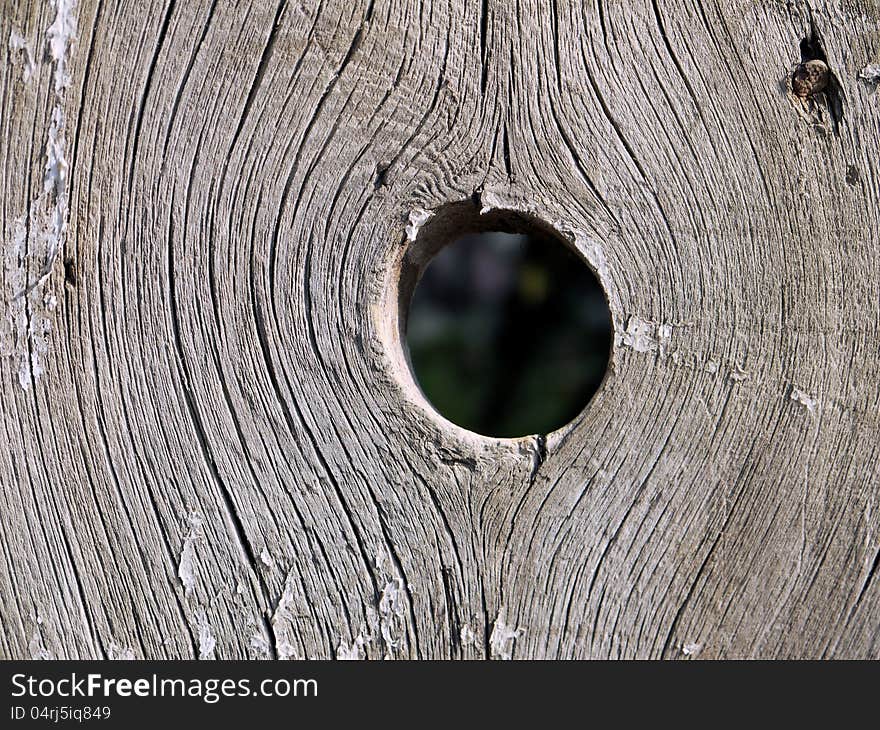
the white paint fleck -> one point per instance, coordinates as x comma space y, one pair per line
664, 336
267, 559
14, 342
392, 609
260, 646
806, 400
36, 648
467, 636
287, 651
711, 367
17, 42
644, 336
207, 642
115, 652
19, 237
284, 613
639, 335
186, 564
691, 649
417, 218
501, 642
490, 200
353, 652
739, 374
55, 179
287, 599
870, 73
593, 252
24, 375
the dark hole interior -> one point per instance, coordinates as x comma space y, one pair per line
509, 334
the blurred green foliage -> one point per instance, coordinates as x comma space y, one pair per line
509, 334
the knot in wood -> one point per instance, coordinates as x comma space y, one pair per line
810, 78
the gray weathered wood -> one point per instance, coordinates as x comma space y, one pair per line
215, 447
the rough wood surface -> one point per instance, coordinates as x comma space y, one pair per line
214, 446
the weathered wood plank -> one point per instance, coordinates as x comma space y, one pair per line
215, 447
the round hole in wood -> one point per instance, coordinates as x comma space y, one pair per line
506, 327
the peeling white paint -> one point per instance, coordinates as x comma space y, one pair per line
691, 649
353, 652
207, 642
467, 636
417, 218
806, 400
60, 34
502, 640
17, 42
40, 232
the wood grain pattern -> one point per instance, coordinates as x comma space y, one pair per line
214, 446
